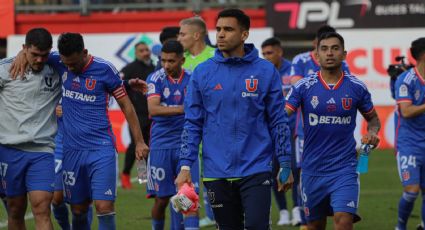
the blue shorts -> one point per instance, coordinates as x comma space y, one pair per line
324, 195
58, 167
411, 167
23, 172
163, 170
89, 175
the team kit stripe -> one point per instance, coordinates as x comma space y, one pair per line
119, 92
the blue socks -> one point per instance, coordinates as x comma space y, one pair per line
405, 207
191, 222
60, 212
176, 219
80, 221
157, 224
107, 221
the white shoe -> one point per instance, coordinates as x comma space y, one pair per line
296, 216
284, 218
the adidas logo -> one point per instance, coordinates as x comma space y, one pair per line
109, 192
331, 101
177, 93
76, 79
351, 204
266, 182
218, 87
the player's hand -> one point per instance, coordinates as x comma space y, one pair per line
19, 65
371, 139
142, 151
138, 85
59, 111
285, 179
183, 177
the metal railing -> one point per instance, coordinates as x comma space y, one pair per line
87, 6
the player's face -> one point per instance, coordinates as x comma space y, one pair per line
230, 36
36, 58
272, 54
143, 53
187, 36
76, 61
330, 53
172, 63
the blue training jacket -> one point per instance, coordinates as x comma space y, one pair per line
236, 107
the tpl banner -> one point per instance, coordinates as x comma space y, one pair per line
295, 17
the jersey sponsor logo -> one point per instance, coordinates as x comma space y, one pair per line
333, 120
166, 92
314, 101
346, 103
151, 88
402, 91
90, 84
78, 96
251, 84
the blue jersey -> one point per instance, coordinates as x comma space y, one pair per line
410, 87
59, 140
85, 99
166, 130
329, 121
305, 64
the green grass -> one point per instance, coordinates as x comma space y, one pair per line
380, 192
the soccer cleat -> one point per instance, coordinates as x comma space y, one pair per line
420, 226
205, 222
283, 218
296, 216
125, 181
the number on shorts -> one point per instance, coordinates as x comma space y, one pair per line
68, 178
405, 161
157, 173
58, 165
3, 169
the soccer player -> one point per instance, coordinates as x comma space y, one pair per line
329, 100
140, 68
227, 96
272, 50
193, 33
410, 95
89, 154
167, 89
27, 130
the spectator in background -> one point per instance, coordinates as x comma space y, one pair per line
272, 51
140, 68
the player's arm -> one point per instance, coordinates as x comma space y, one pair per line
192, 132
408, 110
373, 127
278, 125
127, 108
156, 109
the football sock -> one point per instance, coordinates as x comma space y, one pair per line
60, 212
80, 221
107, 221
158, 224
176, 219
191, 222
405, 207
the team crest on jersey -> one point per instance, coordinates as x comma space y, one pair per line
166, 92
306, 211
314, 101
406, 175
64, 76
90, 83
346, 103
251, 84
417, 94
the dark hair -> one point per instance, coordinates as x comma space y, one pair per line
324, 29
417, 48
140, 43
271, 42
40, 38
241, 17
70, 43
169, 32
173, 47
331, 35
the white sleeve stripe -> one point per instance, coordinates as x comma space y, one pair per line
111, 66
